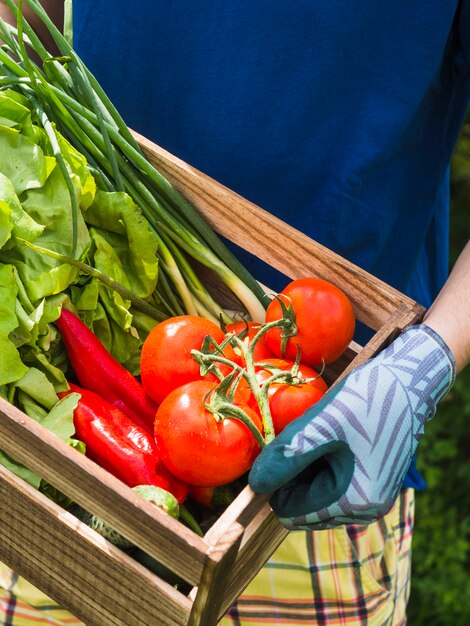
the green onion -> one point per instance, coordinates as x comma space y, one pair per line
66, 96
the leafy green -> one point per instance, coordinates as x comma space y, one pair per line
111, 234
121, 223
11, 366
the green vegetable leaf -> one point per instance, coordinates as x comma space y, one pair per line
121, 222
51, 206
23, 161
36, 384
21, 224
11, 366
20, 470
15, 112
60, 419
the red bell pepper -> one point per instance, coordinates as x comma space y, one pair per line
96, 369
118, 445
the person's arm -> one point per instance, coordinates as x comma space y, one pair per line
449, 316
55, 10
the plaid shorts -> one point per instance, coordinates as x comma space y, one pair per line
357, 575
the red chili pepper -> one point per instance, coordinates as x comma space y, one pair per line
118, 445
97, 370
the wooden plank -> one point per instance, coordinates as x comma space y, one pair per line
209, 596
261, 539
97, 491
76, 567
264, 235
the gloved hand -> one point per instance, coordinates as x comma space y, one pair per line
344, 460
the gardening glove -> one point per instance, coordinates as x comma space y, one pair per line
344, 460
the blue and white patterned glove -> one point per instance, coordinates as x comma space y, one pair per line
344, 460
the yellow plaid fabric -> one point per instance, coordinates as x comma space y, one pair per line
352, 575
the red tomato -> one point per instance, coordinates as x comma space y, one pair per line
289, 401
166, 360
203, 495
194, 444
324, 317
249, 330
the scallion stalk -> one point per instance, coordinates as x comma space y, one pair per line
66, 95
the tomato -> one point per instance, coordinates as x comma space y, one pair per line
289, 401
213, 496
194, 444
166, 360
249, 330
203, 495
324, 317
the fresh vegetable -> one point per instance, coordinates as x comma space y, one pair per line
88, 223
67, 97
118, 445
324, 322
167, 361
98, 371
247, 331
198, 443
293, 389
164, 501
160, 498
211, 497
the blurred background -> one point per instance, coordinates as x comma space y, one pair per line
440, 588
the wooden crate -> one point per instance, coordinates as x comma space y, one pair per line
92, 578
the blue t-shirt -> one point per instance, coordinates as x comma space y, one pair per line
339, 117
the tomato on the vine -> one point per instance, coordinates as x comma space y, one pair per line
166, 360
324, 317
198, 447
248, 330
289, 401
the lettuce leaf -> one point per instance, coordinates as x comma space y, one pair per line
11, 366
121, 223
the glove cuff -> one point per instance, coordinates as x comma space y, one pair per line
426, 368
440, 357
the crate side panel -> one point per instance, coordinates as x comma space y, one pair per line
78, 568
100, 493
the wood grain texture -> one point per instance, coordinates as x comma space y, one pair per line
100, 493
262, 537
212, 588
80, 570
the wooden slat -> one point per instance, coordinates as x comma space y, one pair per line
212, 589
265, 236
263, 534
262, 537
76, 567
100, 493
